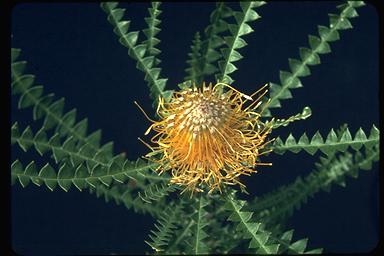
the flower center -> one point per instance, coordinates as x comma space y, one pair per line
204, 112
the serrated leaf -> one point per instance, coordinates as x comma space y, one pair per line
49, 176
29, 97
80, 175
15, 133
345, 137
292, 142
360, 136
337, 22
349, 12
299, 246
375, 133
15, 53
327, 34
39, 107
140, 50
132, 37
308, 56
288, 80
69, 144
31, 171
108, 5
41, 141
287, 236
298, 68
68, 121
55, 112
22, 83
94, 138
26, 139
81, 127
65, 174
118, 13
317, 139
318, 45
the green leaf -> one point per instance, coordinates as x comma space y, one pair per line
336, 22
25, 99
117, 13
81, 127
15, 133
22, 83
17, 171
68, 121
345, 137
317, 139
197, 243
99, 164
49, 176
108, 5
213, 40
299, 246
156, 192
31, 171
164, 227
235, 41
138, 51
360, 136
15, 53
152, 30
333, 143
65, 176
287, 79
39, 108
80, 175
26, 139
329, 170
121, 193
374, 134
291, 142
318, 45
251, 230
327, 34
55, 112
57, 151
193, 71
331, 139
69, 144
308, 56
298, 68
307, 112
94, 138
41, 142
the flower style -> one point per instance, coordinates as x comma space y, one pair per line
207, 137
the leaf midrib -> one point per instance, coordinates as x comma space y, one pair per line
138, 58
52, 114
322, 145
231, 47
304, 62
237, 210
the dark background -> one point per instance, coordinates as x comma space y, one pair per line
73, 52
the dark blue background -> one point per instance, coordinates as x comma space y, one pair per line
73, 52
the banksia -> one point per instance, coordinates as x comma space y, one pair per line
208, 137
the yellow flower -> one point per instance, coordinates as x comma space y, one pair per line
207, 136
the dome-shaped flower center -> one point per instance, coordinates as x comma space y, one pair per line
204, 113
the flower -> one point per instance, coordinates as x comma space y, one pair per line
208, 137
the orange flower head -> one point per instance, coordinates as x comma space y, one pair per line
208, 137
